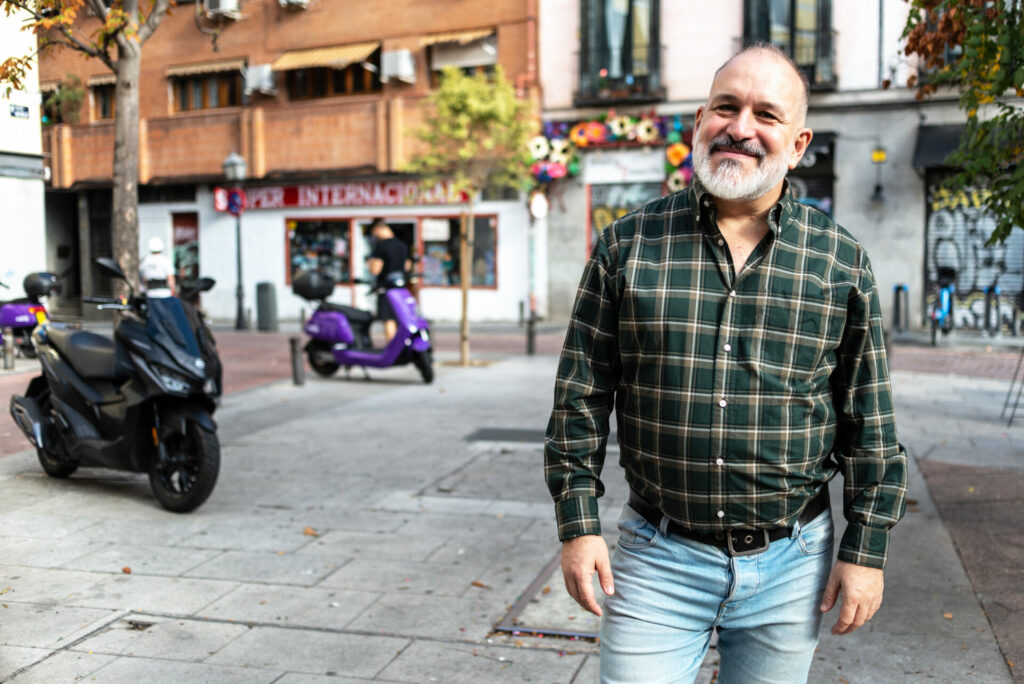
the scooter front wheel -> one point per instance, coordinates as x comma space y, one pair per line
186, 479
318, 354
425, 364
53, 466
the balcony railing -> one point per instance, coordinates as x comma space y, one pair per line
629, 75
815, 55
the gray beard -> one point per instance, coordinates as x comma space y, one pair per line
730, 182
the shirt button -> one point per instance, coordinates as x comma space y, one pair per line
721, 242
732, 293
721, 514
719, 461
727, 347
723, 403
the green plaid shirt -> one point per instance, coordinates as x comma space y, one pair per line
737, 396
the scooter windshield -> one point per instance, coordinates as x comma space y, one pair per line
167, 319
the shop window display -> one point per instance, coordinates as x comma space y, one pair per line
320, 244
439, 263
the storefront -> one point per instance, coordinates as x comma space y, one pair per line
289, 228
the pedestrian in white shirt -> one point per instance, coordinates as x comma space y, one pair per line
156, 271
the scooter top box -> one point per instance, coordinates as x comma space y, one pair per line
41, 284
313, 285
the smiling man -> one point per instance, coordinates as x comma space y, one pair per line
738, 336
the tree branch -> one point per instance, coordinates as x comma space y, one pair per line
25, 7
99, 8
70, 41
156, 15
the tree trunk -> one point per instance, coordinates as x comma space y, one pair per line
466, 277
125, 214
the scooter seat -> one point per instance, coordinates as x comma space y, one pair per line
93, 356
356, 317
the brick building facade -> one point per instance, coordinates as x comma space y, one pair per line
321, 99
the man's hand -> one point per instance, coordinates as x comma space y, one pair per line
581, 556
860, 589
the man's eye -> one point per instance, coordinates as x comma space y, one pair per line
726, 108
767, 115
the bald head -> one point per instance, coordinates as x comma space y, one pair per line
769, 52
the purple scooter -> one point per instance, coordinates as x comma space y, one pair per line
340, 335
23, 315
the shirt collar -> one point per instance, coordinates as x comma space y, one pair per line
703, 204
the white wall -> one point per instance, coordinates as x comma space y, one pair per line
559, 38
263, 257
698, 38
857, 50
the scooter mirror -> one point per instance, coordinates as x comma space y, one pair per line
111, 268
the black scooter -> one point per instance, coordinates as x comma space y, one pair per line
140, 402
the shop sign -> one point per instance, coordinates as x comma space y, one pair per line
383, 193
643, 165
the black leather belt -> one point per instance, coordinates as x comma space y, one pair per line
735, 542
156, 284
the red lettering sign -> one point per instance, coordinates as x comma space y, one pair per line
369, 194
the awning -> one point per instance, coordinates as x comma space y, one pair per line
214, 67
337, 57
480, 52
102, 80
460, 37
49, 86
934, 144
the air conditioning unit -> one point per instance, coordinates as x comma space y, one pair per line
398, 64
259, 78
228, 8
294, 4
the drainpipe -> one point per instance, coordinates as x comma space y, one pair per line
881, 42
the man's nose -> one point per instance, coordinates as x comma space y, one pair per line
741, 126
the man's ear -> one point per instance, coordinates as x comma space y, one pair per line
803, 139
697, 118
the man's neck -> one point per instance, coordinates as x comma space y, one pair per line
743, 216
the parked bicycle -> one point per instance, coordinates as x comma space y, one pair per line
941, 313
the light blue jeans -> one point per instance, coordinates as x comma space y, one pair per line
670, 592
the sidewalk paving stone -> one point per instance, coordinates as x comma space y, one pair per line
151, 636
248, 533
269, 568
45, 586
14, 658
165, 595
432, 617
45, 552
126, 670
63, 666
317, 607
142, 560
449, 663
310, 652
395, 546
437, 579
45, 626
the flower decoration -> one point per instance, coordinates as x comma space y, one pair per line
578, 134
619, 126
559, 158
539, 147
560, 146
557, 170
596, 132
679, 179
647, 131
677, 153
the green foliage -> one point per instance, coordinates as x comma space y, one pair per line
987, 41
67, 99
476, 134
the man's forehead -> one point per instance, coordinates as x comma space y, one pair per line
761, 74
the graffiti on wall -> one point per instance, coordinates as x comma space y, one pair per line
955, 238
609, 201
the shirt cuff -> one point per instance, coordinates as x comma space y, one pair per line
863, 545
577, 516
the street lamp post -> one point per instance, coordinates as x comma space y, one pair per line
234, 170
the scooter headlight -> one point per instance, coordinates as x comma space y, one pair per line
173, 380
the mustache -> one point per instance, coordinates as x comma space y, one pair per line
727, 142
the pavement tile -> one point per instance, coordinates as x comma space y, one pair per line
143, 560
47, 626
469, 664
44, 552
63, 666
13, 658
249, 534
151, 636
269, 568
369, 545
126, 670
475, 525
292, 678
420, 577
324, 518
163, 532
40, 525
311, 652
293, 606
436, 617
43, 585
141, 593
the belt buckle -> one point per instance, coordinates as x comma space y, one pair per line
749, 538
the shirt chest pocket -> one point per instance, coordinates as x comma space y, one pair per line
801, 326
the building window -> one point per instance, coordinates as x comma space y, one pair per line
620, 52
316, 82
440, 263
800, 28
206, 91
321, 244
473, 57
103, 101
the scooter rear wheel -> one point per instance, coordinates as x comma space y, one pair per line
187, 479
425, 364
321, 367
54, 466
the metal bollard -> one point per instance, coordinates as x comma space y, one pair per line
298, 368
900, 307
993, 327
8, 348
531, 334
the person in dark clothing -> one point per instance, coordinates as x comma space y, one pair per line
390, 255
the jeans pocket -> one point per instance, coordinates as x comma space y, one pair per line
816, 537
634, 530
